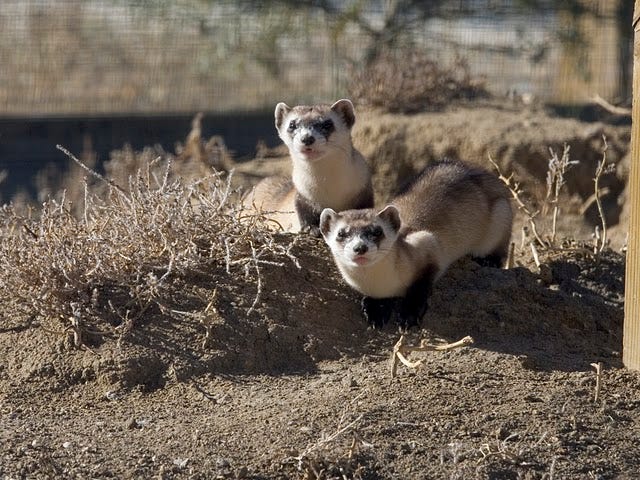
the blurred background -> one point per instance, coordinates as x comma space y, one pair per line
95, 75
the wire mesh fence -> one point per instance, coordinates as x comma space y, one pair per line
150, 56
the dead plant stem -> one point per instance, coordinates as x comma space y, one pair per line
599, 171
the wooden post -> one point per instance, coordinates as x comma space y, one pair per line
631, 336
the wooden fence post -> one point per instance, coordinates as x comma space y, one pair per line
631, 335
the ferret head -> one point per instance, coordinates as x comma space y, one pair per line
360, 238
311, 132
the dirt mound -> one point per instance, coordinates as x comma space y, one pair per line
162, 404
305, 315
308, 315
398, 146
576, 310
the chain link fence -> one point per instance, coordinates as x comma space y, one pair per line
64, 57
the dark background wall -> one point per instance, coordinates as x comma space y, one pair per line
28, 145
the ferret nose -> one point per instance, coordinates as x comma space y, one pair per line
308, 140
360, 249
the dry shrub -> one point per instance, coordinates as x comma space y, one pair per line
342, 453
409, 81
96, 273
196, 158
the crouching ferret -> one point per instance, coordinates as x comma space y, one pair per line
393, 256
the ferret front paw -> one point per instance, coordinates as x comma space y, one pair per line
411, 313
493, 261
378, 311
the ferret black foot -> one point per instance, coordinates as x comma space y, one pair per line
378, 311
492, 260
415, 303
411, 312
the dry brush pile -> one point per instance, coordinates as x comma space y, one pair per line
410, 81
95, 273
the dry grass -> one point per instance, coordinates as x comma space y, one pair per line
556, 171
338, 454
545, 240
96, 272
410, 81
195, 158
557, 168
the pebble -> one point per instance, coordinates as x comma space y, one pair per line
181, 462
349, 382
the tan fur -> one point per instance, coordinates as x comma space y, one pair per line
467, 209
449, 211
392, 275
274, 197
334, 175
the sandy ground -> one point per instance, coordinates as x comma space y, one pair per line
301, 387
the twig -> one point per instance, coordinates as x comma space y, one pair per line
304, 457
598, 100
401, 350
30, 232
524, 236
534, 252
592, 198
598, 367
208, 317
596, 239
259, 279
91, 171
514, 188
596, 184
511, 256
555, 180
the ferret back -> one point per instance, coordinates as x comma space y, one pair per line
466, 207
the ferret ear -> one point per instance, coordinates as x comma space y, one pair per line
327, 217
282, 110
345, 109
391, 215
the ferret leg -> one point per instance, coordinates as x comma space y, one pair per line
491, 260
378, 311
415, 302
495, 259
309, 217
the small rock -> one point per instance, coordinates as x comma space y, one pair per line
349, 382
112, 395
181, 462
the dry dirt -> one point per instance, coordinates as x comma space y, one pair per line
301, 388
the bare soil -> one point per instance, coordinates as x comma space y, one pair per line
301, 388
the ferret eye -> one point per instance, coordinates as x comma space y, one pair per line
376, 232
292, 125
342, 234
326, 126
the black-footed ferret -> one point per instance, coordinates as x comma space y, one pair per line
328, 172
450, 210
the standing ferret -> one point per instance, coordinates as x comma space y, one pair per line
450, 210
328, 172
